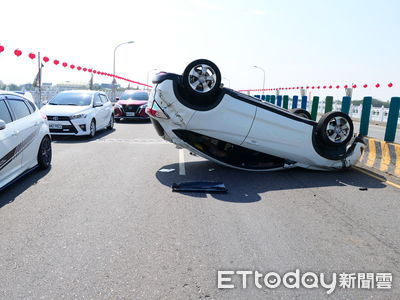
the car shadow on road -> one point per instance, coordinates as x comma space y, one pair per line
11, 192
70, 139
247, 186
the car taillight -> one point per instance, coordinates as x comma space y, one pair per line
156, 111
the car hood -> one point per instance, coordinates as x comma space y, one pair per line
132, 102
63, 110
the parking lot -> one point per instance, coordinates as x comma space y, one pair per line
104, 223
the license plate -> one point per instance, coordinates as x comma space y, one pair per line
130, 114
55, 126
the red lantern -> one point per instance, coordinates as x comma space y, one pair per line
1, 48
90, 70
17, 52
365, 85
32, 55
354, 86
94, 71
307, 87
64, 64
317, 87
324, 86
56, 62
45, 59
390, 84
72, 66
312, 87
84, 69
377, 85
338, 86
330, 86
79, 68
346, 86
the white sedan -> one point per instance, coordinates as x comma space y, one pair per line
195, 112
79, 113
24, 138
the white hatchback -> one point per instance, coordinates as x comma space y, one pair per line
24, 138
79, 112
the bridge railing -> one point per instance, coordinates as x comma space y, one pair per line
365, 112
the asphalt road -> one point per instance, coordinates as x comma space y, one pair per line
104, 224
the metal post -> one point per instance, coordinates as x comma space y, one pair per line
285, 101
391, 125
304, 102
328, 104
295, 101
268, 98
40, 80
273, 99
365, 114
346, 104
314, 108
114, 81
279, 101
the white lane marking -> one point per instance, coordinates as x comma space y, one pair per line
133, 141
182, 170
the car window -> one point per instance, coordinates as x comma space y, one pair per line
135, 96
97, 100
72, 98
19, 107
4, 112
103, 98
31, 106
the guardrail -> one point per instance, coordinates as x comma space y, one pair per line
365, 112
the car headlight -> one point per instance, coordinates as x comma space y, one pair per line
78, 116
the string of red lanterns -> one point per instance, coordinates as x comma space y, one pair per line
377, 85
46, 59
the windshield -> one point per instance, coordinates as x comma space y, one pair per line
135, 96
77, 99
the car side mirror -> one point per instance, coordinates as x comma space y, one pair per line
2, 125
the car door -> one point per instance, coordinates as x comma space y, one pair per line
99, 111
10, 160
108, 109
28, 129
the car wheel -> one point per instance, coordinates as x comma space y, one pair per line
202, 78
92, 129
111, 123
45, 153
335, 128
302, 113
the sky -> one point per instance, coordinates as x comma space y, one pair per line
308, 42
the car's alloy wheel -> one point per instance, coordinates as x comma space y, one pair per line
92, 131
335, 128
111, 124
45, 153
202, 77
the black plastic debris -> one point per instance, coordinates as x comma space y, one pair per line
200, 186
363, 188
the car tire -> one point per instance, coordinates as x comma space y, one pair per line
335, 128
45, 153
202, 79
111, 123
302, 113
92, 128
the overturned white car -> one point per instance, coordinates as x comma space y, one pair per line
193, 111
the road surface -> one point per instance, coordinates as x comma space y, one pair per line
103, 223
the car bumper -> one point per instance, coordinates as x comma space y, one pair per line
76, 127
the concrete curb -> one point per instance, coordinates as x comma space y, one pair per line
382, 156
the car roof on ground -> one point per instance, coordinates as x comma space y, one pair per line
135, 91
